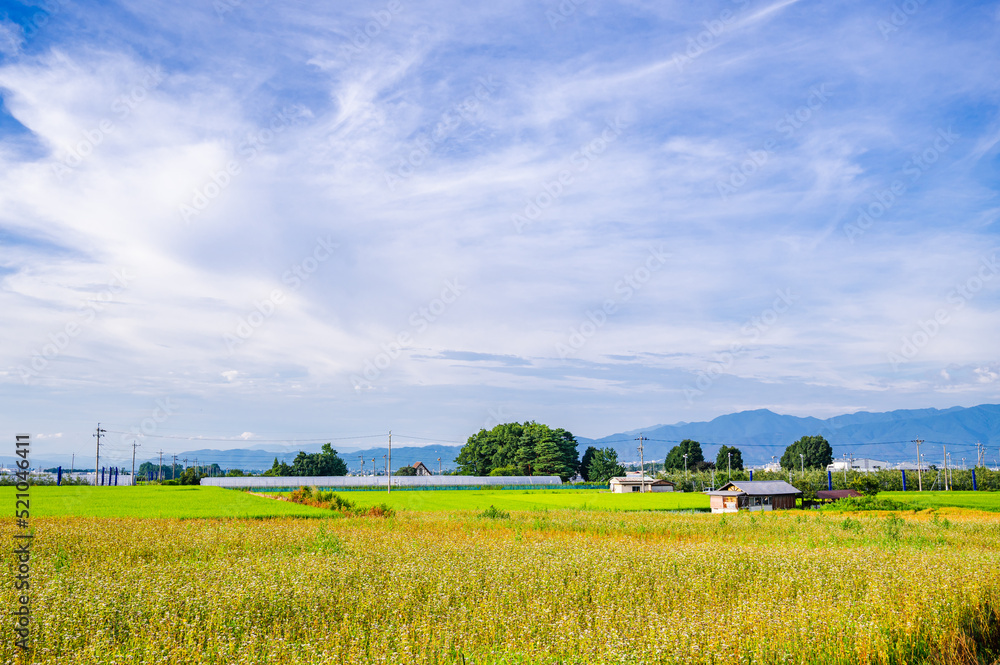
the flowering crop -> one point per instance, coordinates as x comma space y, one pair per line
539, 587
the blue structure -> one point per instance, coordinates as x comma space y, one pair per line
829, 479
974, 486
903, 471
59, 476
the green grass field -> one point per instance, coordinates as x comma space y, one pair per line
154, 501
478, 500
989, 501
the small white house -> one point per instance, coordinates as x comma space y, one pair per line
629, 484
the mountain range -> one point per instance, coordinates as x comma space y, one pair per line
759, 434
888, 436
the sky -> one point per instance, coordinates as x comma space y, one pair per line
280, 222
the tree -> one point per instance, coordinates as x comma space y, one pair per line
866, 483
235, 473
324, 463
675, 458
406, 471
722, 460
588, 455
531, 448
190, 476
604, 466
817, 452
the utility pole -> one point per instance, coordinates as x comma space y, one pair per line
729, 467
920, 481
439, 466
685, 467
134, 446
159, 472
642, 465
173, 468
97, 462
945, 449
72, 464
388, 467
362, 458
803, 458
373, 468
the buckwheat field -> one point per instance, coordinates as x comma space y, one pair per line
531, 587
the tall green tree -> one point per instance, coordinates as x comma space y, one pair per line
533, 449
588, 455
816, 451
675, 458
604, 466
722, 460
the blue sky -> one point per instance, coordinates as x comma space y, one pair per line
254, 221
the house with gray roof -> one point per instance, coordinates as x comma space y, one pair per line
753, 495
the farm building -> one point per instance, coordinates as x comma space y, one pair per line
422, 470
753, 495
836, 495
627, 484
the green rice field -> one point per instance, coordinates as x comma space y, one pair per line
976, 500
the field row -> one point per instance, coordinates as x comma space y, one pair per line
197, 502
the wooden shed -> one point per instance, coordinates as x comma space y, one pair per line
753, 495
628, 484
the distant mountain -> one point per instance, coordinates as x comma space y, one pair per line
248, 459
762, 433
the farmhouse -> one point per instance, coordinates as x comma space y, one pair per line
627, 484
422, 470
753, 495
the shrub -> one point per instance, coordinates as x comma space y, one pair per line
495, 513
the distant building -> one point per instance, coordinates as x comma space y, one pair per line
859, 464
422, 470
629, 484
753, 495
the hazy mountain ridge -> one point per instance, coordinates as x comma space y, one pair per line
762, 433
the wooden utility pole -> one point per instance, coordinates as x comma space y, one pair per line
134, 446
97, 462
920, 480
388, 467
642, 465
945, 449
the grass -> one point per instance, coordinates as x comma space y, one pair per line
155, 502
563, 586
479, 500
989, 501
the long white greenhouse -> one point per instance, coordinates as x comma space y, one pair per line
402, 482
